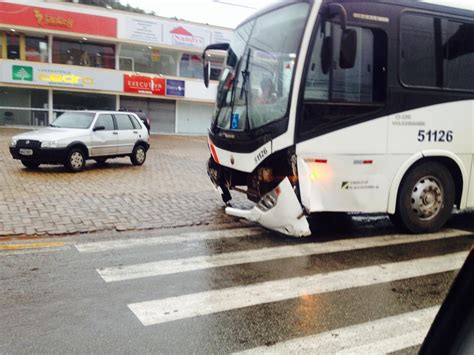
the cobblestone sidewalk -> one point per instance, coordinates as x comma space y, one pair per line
170, 190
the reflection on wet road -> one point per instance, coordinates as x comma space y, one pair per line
356, 285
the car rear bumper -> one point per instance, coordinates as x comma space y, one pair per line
40, 155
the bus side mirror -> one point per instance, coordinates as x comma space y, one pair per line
347, 55
206, 72
326, 55
206, 62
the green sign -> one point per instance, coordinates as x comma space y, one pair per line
20, 72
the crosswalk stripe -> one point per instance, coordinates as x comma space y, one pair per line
166, 267
209, 302
95, 247
376, 337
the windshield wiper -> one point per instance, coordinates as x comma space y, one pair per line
245, 88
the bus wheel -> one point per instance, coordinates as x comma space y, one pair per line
426, 198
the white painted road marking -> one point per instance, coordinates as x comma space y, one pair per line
166, 267
209, 302
377, 337
95, 247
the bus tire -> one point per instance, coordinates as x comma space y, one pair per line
426, 198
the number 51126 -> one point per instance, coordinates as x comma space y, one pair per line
435, 136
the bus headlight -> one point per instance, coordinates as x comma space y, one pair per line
49, 144
265, 175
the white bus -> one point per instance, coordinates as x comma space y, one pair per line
347, 106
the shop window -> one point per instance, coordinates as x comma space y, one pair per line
13, 45
36, 49
84, 53
72, 101
148, 60
190, 66
23, 107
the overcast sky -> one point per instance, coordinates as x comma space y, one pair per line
219, 13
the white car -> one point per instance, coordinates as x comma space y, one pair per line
77, 136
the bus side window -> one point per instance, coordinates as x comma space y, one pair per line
458, 52
332, 94
436, 52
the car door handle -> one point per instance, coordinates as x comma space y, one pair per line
115, 133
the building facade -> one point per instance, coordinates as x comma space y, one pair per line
57, 57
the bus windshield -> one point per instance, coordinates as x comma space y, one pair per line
257, 90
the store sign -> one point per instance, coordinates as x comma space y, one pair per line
156, 31
175, 87
144, 85
50, 19
145, 30
96, 80
183, 38
22, 73
69, 79
221, 36
61, 76
45, 19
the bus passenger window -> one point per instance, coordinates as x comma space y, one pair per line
459, 55
333, 94
436, 52
418, 50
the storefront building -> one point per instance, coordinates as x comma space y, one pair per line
57, 57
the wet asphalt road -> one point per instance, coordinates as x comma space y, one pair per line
64, 299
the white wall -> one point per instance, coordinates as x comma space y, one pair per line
193, 118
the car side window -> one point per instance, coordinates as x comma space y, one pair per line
135, 122
123, 122
105, 120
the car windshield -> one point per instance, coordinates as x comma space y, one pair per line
80, 120
266, 48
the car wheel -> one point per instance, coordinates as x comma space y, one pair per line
75, 160
138, 156
30, 164
101, 161
426, 198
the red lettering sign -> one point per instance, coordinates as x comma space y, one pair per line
139, 84
49, 19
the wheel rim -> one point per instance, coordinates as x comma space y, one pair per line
427, 198
140, 155
77, 160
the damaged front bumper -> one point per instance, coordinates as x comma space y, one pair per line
278, 210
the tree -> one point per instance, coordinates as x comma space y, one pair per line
114, 4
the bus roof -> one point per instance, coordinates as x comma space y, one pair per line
455, 7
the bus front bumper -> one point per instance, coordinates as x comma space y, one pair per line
278, 210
